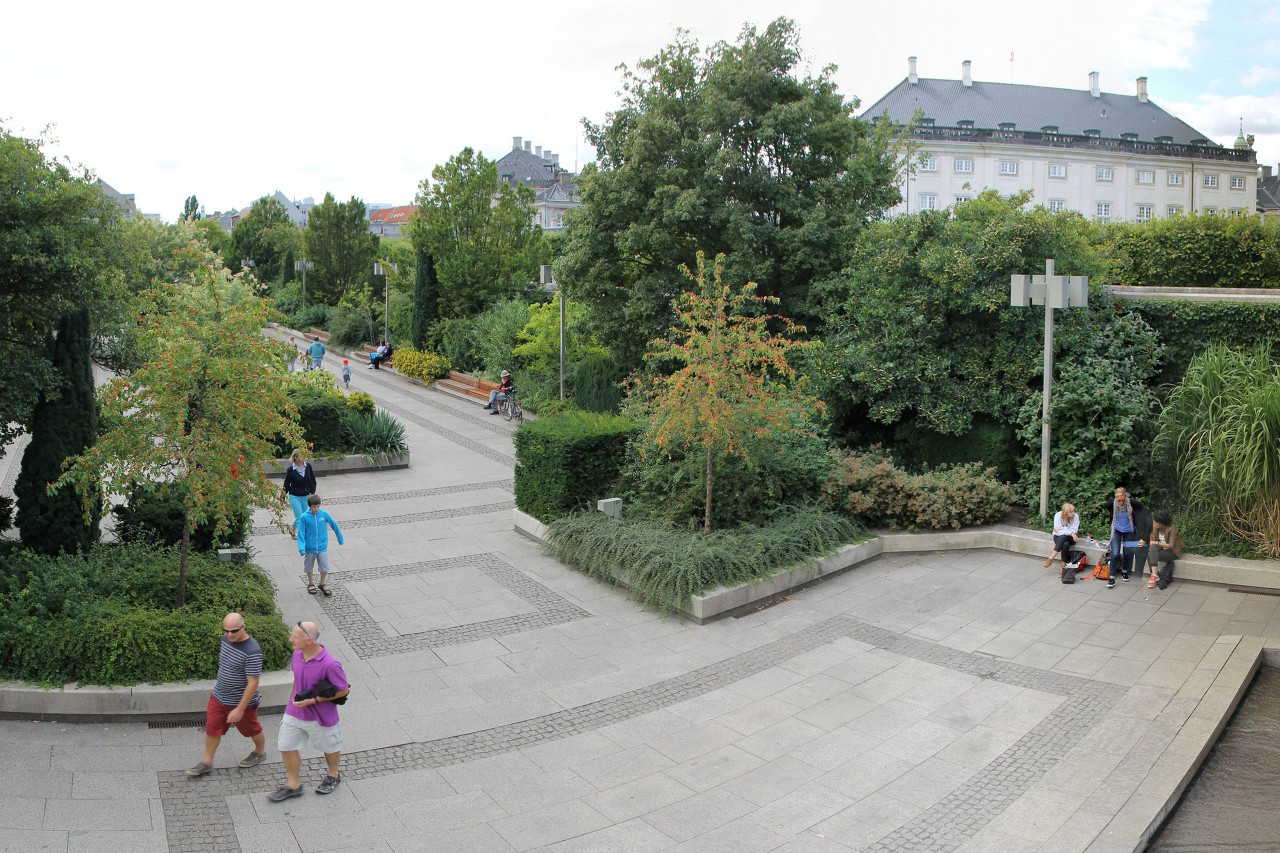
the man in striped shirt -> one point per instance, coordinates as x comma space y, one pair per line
234, 701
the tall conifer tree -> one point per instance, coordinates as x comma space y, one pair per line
426, 298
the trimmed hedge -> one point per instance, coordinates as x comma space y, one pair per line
107, 618
1204, 250
154, 513
321, 416
663, 565
568, 462
1189, 328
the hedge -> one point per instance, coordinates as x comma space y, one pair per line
107, 617
154, 512
568, 461
1188, 328
1205, 250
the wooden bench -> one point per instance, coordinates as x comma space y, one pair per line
368, 349
468, 386
318, 333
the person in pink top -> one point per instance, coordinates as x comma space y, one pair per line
319, 686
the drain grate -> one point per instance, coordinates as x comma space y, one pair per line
1253, 590
175, 724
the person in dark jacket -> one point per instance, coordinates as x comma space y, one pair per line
299, 484
1130, 533
1166, 546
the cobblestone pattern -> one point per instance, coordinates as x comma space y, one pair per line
411, 518
484, 421
503, 485
368, 639
456, 437
197, 817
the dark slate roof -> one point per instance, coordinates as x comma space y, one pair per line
559, 192
525, 167
1269, 193
1030, 108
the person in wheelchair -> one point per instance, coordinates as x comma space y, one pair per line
506, 390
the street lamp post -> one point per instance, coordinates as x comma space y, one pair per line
386, 295
302, 266
1051, 291
549, 283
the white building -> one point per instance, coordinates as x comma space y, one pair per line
555, 189
1109, 156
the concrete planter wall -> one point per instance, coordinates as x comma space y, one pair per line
343, 464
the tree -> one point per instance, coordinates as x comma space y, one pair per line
734, 385
64, 425
729, 151
426, 298
480, 233
264, 235
338, 241
57, 251
203, 411
191, 209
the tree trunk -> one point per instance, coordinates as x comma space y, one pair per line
181, 597
706, 526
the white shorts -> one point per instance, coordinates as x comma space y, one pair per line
295, 734
309, 561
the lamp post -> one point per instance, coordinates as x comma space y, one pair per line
302, 266
549, 284
386, 295
1051, 291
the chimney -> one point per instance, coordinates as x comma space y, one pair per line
515, 143
555, 160
967, 74
1093, 84
912, 77
1142, 89
537, 151
528, 146
546, 154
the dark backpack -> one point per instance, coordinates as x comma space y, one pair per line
1072, 563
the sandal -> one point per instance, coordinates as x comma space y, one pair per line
325, 589
1151, 584
311, 588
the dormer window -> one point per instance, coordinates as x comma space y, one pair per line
1049, 128
966, 123
926, 122
1007, 125
1093, 133
1164, 140
1130, 137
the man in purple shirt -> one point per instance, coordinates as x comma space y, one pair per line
312, 714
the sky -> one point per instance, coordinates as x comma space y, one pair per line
234, 100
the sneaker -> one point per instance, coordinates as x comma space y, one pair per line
200, 770
253, 759
1111, 583
1125, 575
486, 406
329, 784
495, 412
279, 795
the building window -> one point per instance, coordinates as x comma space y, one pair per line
1144, 213
1237, 183
1057, 170
1173, 210
1105, 173
1146, 176
964, 167
1057, 205
1211, 181
1236, 211
1008, 167
1175, 179
1210, 211
1103, 213
929, 164
962, 198
928, 201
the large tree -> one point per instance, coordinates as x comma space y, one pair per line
338, 242
264, 235
57, 247
480, 233
191, 208
426, 298
65, 425
203, 411
727, 150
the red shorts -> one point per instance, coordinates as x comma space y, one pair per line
216, 725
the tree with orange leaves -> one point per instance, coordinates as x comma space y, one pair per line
734, 385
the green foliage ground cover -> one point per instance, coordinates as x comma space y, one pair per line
108, 617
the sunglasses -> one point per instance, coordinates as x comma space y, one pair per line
232, 630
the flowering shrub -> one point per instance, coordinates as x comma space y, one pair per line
869, 487
424, 366
361, 402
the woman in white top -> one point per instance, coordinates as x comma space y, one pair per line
1066, 527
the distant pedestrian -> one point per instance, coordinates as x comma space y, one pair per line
316, 351
299, 484
234, 701
313, 542
311, 717
293, 354
378, 356
346, 374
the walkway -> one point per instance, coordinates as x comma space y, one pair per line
950, 701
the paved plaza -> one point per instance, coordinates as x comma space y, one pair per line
947, 701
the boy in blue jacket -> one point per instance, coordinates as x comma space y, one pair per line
313, 542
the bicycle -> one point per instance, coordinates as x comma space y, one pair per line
511, 409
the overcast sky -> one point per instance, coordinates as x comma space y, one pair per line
233, 100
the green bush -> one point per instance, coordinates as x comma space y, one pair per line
420, 365
309, 316
662, 565
497, 333
568, 461
6, 512
350, 326
869, 487
372, 434
454, 338
1189, 328
361, 402
153, 512
107, 617
1203, 250
988, 442
320, 414
597, 383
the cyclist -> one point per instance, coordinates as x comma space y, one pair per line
506, 389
